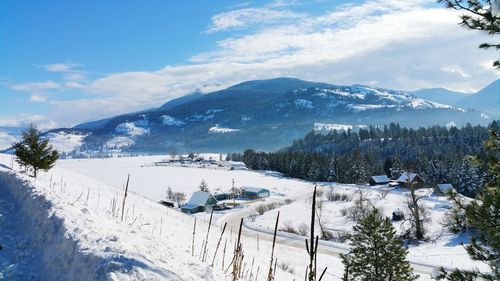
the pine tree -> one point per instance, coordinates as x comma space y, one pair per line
482, 15
470, 179
483, 215
376, 252
34, 152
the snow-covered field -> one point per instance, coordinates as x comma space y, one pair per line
68, 225
153, 181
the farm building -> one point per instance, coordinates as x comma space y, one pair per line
378, 180
254, 192
414, 179
200, 201
442, 188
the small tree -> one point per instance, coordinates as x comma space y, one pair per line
34, 152
179, 197
376, 252
203, 186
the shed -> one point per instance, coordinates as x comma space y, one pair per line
255, 192
378, 180
200, 201
442, 188
413, 179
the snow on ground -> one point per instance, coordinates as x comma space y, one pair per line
333, 126
81, 200
444, 250
171, 121
68, 227
132, 129
219, 129
65, 142
153, 181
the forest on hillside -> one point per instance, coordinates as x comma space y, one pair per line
439, 154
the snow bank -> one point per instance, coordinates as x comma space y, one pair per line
73, 231
57, 256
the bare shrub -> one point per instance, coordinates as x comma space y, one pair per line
252, 217
338, 196
383, 191
362, 206
288, 201
261, 209
303, 229
288, 227
285, 266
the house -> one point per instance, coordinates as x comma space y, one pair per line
378, 180
254, 192
414, 179
200, 201
442, 188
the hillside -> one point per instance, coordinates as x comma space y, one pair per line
262, 114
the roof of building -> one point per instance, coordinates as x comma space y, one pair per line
199, 198
189, 206
404, 177
380, 179
254, 189
445, 186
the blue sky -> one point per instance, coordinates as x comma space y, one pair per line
64, 62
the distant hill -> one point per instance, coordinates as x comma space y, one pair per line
440, 95
487, 100
263, 114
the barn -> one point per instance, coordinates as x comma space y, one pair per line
379, 180
410, 178
254, 192
200, 201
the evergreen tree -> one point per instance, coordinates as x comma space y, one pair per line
388, 167
470, 179
483, 216
34, 152
376, 252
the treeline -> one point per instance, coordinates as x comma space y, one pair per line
439, 154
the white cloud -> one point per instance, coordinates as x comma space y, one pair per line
38, 98
23, 120
60, 67
249, 16
35, 86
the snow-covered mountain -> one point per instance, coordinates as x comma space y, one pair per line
486, 100
8, 135
264, 114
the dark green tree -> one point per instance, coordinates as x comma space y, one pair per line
483, 216
482, 15
376, 253
34, 152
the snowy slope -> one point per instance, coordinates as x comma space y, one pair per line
71, 231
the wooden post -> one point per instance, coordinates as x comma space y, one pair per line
125, 196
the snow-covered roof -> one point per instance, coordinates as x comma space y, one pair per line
445, 186
404, 177
254, 189
380, 179
199, 198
